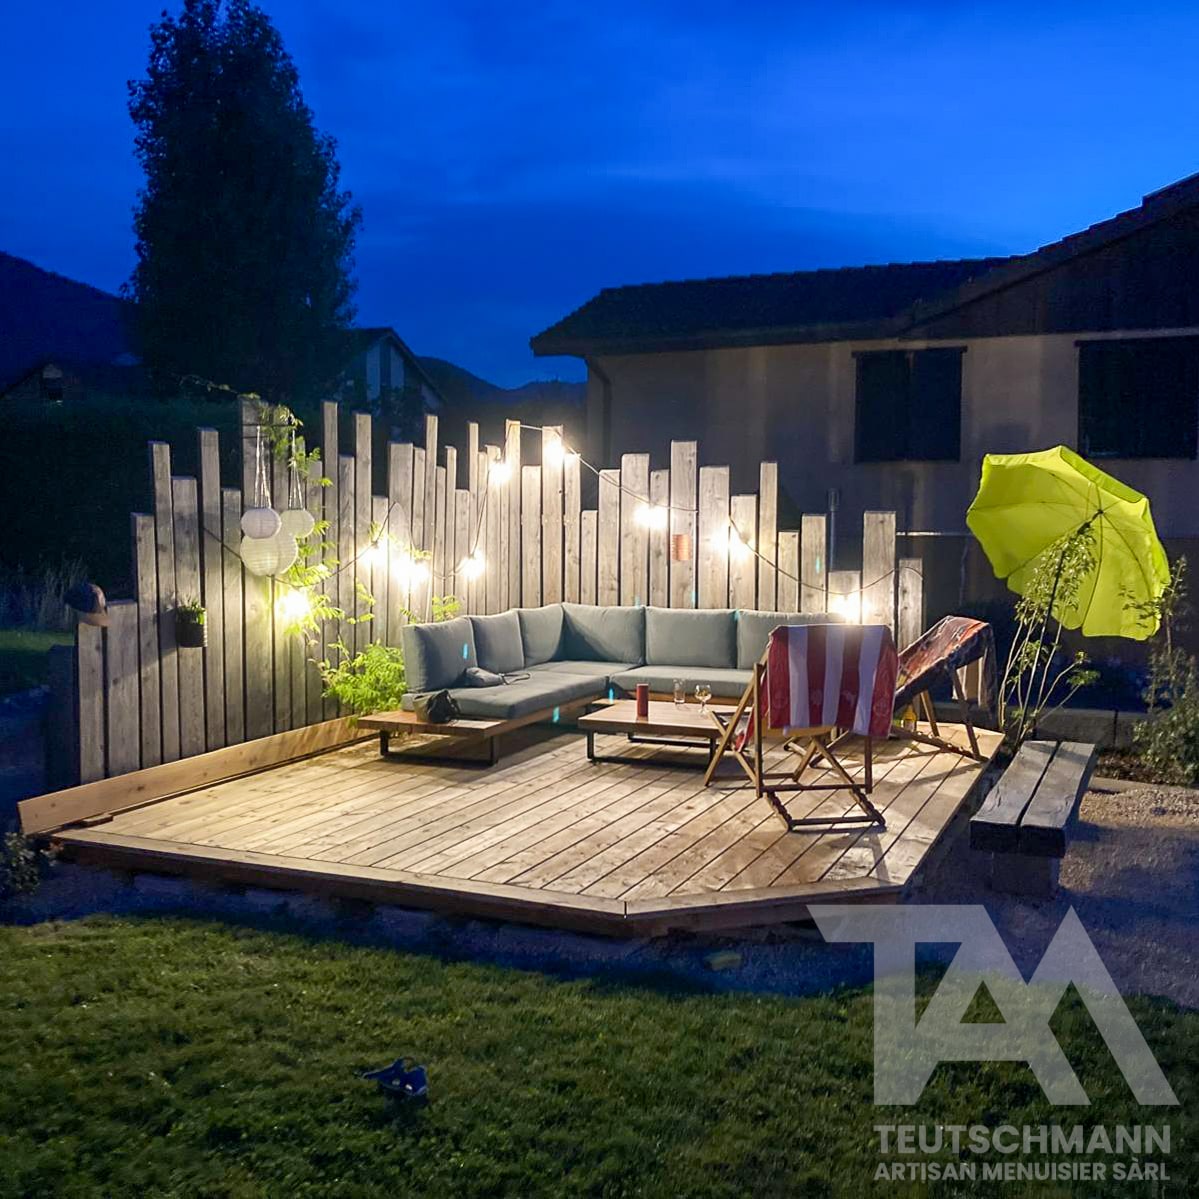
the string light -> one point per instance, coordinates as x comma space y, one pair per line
471, 567
293, 604
553, 452
372, 556
499, 472
653, 516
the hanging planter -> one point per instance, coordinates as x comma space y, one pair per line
191, 625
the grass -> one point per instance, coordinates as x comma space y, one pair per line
23, 657
169, 1056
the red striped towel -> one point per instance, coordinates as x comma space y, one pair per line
839, 675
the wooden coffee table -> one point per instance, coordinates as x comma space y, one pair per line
679, 726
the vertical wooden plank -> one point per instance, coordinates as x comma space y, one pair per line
743, 512
659, 539
418, 599
878, 568
588, 545
477, 583
683, 504
634, 533
399, 500
235, 646
187, 581
608, 539
314, 708
767, 545
345, 546
89, 673
713, 553
788, 571
572, 492
121, 688
530, 535
331, 512
430, 481
164, 543
495, 576
462, 542
910, 620
473, 484
513, 489
845, 594
211, 553
380, 579
280, 659
552, 455
443, 581
363, 515
441, 539
813, 564
145, 571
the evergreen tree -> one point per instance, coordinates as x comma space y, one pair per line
244, 238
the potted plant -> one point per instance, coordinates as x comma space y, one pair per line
191, 625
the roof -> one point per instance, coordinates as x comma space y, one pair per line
47, 316
361, 340
861, 302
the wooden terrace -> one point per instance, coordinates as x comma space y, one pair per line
544, 837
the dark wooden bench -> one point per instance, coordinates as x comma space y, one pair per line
1026, 820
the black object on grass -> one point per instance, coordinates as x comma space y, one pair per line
400, 1079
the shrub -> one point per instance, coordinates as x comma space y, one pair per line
33, 599
372, 680
20, 866
1168, 740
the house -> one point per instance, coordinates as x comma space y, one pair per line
380, 365
883, 386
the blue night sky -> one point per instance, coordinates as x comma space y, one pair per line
512, 159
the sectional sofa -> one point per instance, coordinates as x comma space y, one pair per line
574, 653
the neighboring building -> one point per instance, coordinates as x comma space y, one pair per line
381, 366
887, 384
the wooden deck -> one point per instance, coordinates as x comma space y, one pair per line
546, 836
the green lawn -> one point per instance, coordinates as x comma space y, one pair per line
176, 1057
23, 657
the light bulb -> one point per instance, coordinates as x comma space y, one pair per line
499, 472
653, 516
294, 605
471, 567
553, 452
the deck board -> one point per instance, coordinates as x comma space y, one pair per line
548, 837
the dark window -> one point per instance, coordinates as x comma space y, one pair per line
909, 405
1138, 398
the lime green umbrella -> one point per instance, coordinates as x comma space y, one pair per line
1027, 503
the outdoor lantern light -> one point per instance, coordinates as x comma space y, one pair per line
499, 472
287, 549
294, 605
298, 522
372, 556
260, 523
259, 555
653, 516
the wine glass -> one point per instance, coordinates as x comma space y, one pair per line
703, 693
680, 693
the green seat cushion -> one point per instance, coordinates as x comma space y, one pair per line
498, 642
725, 682
755, 626
603, 634
594, 670
541, 633
691, 637
545, 689
437, 654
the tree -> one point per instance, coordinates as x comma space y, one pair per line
244, 239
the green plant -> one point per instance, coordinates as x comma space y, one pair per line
192, 610
445, 607
1168, 739
33, 599
20, 866
1036, 680
372, 680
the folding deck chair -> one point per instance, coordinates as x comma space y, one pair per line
811, 681
943, 654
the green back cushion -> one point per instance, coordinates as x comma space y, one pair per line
498, 642
603, 634
689, 637
541, 633
754, 628
436, 655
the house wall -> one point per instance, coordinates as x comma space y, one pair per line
796, 404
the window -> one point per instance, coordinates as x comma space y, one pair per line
1138, 398
909, 405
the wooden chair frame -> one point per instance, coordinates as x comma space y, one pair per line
923, 701
810, 745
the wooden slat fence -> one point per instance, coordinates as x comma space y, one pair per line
493, 531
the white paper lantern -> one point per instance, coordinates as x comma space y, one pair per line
260, 523
259, 555
288, 551
298, 522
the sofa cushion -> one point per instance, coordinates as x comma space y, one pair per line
593, 670
754, 628
541, 633
603, 634
691, 637
725, 682
498, 642
545, 689
436, 654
